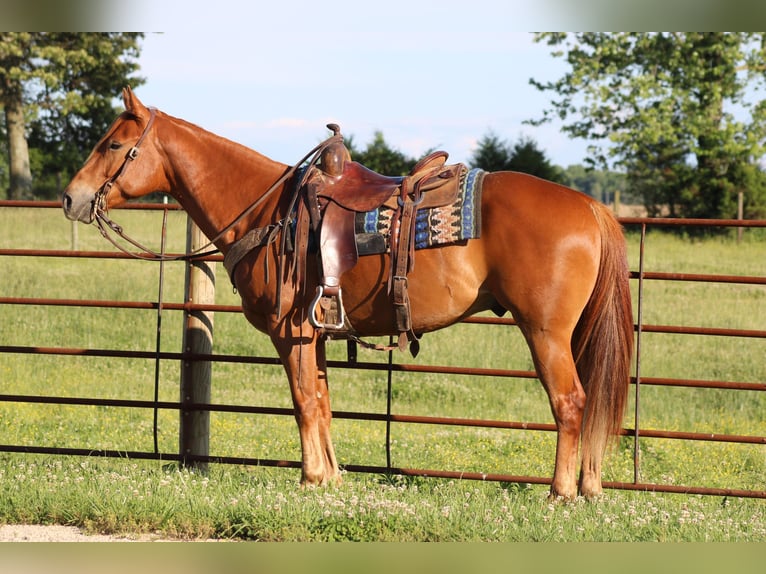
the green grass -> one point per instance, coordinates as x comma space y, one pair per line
266, 505
108, 495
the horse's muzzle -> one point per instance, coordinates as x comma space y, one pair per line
78, 206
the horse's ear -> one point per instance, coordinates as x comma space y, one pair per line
131, 102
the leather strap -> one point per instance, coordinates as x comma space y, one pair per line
252, 239
402, 265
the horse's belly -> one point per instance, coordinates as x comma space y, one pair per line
444, 287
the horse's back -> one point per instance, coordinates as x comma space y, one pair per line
524, 199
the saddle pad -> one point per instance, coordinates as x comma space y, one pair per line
434, 226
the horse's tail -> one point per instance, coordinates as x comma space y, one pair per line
602, 343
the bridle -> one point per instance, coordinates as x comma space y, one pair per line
99, 203
99, 210
105, 224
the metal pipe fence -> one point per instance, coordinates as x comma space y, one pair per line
638, 380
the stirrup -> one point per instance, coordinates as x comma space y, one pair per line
314, 318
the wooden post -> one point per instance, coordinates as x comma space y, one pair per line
740, 213
194, 432
75, 236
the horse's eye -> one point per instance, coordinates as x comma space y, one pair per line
114, 145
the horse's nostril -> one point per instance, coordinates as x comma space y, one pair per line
67, 203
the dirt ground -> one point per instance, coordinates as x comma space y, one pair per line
58, 533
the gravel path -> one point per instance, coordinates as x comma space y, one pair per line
58, 533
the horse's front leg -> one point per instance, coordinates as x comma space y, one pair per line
303, 355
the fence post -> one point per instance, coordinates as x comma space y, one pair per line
740, 213
194, 431
75, 236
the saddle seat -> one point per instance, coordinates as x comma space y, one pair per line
361, 189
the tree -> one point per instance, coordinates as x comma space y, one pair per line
526, 157
599, 184
4, 181
56, 89
665, 103
380, 157
493, 154
15, 50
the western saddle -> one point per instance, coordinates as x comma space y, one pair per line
332, 191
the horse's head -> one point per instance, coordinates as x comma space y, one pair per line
114, 173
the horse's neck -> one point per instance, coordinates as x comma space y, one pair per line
215, 180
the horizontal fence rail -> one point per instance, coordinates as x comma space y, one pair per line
352, 363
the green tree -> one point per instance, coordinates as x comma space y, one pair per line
665, 103
3, 161
381, 157
55, 90
527, 157
599, 184
491, 153
494, 154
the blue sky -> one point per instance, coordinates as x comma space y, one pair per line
428, 74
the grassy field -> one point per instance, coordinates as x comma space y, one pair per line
125, 496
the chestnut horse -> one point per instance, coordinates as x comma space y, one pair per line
553, 257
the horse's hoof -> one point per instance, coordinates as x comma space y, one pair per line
593, 496
560, 498
323, 481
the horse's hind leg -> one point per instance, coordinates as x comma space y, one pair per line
590, 472
556, 368
305, 363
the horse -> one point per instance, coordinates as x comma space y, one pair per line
551, 256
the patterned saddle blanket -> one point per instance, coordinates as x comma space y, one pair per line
434, 226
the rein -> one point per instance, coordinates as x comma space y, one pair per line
105, 224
